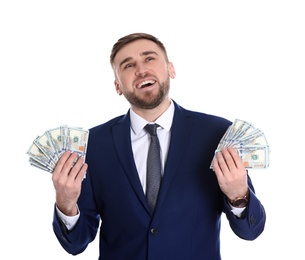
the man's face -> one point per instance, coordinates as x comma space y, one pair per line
142, 74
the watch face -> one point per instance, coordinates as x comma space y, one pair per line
240, 203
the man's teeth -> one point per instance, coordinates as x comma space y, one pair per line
146, 83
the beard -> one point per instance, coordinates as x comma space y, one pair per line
150, 100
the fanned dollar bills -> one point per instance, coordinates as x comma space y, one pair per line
47, 149
249, 142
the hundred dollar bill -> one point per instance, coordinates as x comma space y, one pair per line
237, 129
241, 131
45, 146
37, 155
47, 149
77, 140
63, 133
250, 142
256, 137
39, 165
56, 140
254, 156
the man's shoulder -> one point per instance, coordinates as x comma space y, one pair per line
108, 124
202, 117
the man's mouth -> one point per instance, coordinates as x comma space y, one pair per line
146, 83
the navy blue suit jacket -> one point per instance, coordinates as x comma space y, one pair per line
186, 222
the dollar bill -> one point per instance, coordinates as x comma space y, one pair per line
36, 154
250, 143
77, 139
39, 165
254, 156
46, 149
45, 146
63, 133
56, 141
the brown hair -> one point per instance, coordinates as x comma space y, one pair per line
133, 37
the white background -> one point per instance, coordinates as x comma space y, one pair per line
236, 59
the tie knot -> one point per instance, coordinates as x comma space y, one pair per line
151, 129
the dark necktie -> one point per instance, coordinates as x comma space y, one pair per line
153, 177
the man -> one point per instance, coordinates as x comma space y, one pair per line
184, 223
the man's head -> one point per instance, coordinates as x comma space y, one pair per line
142, 71
133, 37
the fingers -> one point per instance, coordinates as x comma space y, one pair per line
236, 158
225, 160
228, 161
230, 172
70, 165
67, 180
79, 169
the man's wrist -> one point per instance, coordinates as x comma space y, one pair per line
240, 202
69, 221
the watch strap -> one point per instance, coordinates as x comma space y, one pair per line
241, 202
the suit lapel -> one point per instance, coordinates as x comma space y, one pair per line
122, 142
181, 128
180, 132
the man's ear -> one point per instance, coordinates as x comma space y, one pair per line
171, 70
117, 87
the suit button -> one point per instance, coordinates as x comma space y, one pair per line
252, 220
154, 231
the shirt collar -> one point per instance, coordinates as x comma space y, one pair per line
137, 123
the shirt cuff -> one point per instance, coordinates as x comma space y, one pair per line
69, 221
237, 211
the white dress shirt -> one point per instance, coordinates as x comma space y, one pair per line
140, 139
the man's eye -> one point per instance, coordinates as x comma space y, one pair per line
149, 58
129, 65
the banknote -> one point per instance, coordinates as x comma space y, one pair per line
37, 155
46, 149
44, 144
76, 140
250, 143
56, 141
254, 156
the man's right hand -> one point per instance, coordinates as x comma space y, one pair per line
67, 180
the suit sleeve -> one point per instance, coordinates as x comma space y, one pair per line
253, 219
76, 240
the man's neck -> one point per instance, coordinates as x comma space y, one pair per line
151, 115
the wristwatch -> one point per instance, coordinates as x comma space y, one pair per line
241, 202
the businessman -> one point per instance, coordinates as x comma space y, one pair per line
168, 209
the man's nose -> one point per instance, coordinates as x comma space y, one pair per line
141, 70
